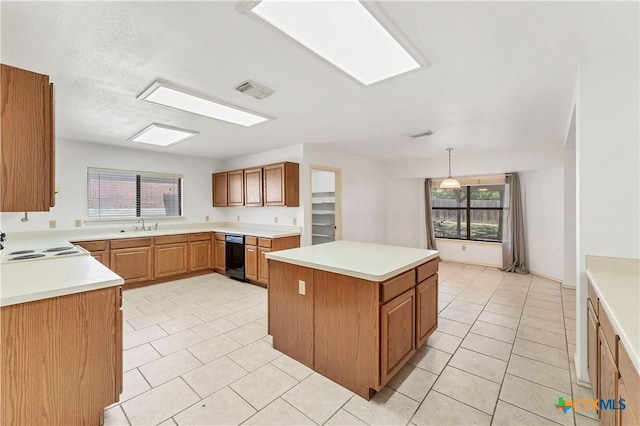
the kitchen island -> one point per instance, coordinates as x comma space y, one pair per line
354, 312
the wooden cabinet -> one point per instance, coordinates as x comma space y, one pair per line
220, 253
426, 308
263, 265
593, 349
397, 333
61, 358
235, 188
132, 259
251, 262
200, 252
608, 383
219, 186
628, 389
171, 255
99, 250
253, 187
282, 185
28, 141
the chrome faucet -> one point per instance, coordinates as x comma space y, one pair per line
142, 219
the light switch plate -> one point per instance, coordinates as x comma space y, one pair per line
52, 224
302, 287
78, 223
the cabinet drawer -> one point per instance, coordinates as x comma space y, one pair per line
397, 285
251, 241
200, 237
171, 239
130, 242
425, 270
609, 334
219, 236
631, 379
92, 245
593, 297
264, 242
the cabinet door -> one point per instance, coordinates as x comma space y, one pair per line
219, 185
133, 264
170, 259
200, 252
102, 257
593, 347
397, 331
274, 190
426, 309
608, 381
263, 265
220, 256
628, 416
235, 194
27, 141
251, 262
253, 187
119, 366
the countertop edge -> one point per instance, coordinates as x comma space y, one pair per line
143, 234
635, 357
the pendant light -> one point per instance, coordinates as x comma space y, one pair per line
450, 183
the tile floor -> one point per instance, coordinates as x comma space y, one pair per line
196, 352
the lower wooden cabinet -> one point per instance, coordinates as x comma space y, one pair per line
61, 358
251, 262
133, 264
99, 250
220, 253
397, 333
608, 383
171, 259
628, 389
263, 265
426, 309
593, 349
200, 252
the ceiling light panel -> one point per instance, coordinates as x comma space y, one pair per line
157, 134
161, 94
342, 32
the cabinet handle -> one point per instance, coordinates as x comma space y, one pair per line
120, 296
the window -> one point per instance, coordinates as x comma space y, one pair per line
121, 194
473, 212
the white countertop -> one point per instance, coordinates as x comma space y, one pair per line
617, 283
29, 281
373, 262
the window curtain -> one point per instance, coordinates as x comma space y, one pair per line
513, 247
431, 241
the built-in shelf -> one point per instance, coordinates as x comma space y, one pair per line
323, 210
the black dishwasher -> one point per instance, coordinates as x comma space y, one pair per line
234, 251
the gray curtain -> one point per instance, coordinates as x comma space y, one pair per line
431, 241
514, 247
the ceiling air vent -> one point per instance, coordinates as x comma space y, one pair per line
419, 134
254, 89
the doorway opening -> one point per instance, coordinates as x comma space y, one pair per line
325, 205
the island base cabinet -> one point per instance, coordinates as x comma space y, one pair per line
608, 385
397, 333
61, 358
426, 309
593, 347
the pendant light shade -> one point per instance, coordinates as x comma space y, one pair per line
450, 183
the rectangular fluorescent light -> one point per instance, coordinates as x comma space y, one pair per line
157, 134
161, 94
344, 33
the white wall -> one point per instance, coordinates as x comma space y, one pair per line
476, 252
323, 181
263, 215
405, 213
363, 193
570, 222
543, 206
72, 160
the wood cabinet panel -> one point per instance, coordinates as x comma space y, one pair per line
220, 255
290, 313
251, 262
200, 255
170, 259
593, 297
28, 140
397, 285
606, 328
61, 358
93, 245
608, 380
202, 236
265, 242
593, 348
219, 187
397, 334
426, 309
131, 243
253, 187
282, 185
630, 415
630, 388
235, 188
171, 239
425, 270
133, 264
263, 265
102, 257
250, 241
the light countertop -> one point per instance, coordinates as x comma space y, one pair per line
373, 262
29, 281
617, 283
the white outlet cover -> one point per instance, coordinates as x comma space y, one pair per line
302, 287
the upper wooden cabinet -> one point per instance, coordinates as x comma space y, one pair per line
253, 187
235, 192
219, 185
27, 141
282, 185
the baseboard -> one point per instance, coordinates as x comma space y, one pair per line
569, 286
545, 276
470, 263
580, 382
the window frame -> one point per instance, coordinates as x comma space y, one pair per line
468, 209
139, 175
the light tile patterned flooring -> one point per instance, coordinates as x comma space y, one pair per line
197, 352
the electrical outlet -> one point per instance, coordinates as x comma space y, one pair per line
302, 287
464, 248
206, 218
275, 219
52, 224
295, 220
78, 223
238, 218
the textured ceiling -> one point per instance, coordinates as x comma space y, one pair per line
501, 75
